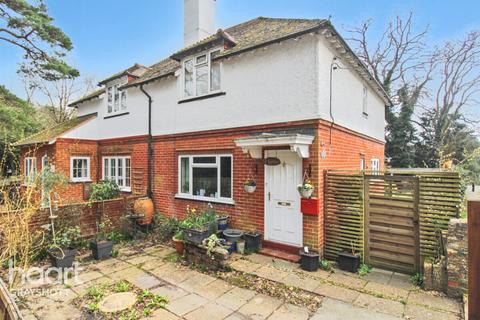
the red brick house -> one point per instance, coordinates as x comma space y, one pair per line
190, 129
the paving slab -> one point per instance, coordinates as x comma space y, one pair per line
209, 311
338, 310
400, 280
303, 283
335, 292
162, 253
162, 314
140, 259
289, 312
62, 312
382, 290
415, 312
169, 291
127, 274
319, 274
380, 305
112, 265
146, 281
235, 298
378, 276
245, 266
260, 307
237, 316
434, 302
346, 280
84, 277
214, 289
186, 304
195, 282
151, 264
63, 295
270, 273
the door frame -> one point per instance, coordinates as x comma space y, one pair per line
299, 163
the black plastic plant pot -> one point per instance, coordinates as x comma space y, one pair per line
348, 262
62, 258
309, 261
252, 241
222, 223
101, 249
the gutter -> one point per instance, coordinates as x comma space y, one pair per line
149, 143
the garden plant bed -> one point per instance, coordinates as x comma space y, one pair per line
143, 305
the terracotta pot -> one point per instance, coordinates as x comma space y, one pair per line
144, 206
178, 246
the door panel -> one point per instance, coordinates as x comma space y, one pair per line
283, 220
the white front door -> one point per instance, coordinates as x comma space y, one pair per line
283, 219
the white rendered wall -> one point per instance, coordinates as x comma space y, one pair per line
283, 82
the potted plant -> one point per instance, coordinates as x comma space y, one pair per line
198, 226
249, 185
214, 244
252, 241
102, 246
306, 189
62, 251
222, 222
178, 241
349, 261
309, 260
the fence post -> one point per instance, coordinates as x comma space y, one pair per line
473, 260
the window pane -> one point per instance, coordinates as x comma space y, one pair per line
201, 74
188, 73
110, 98
120, 177
127, 172
204, 159
112, 169
215, 75
84, 168
201, 59
124, 100
105, 169
205, 182
184, 175
116, 99
226, 177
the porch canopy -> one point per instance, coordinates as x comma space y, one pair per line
254, 144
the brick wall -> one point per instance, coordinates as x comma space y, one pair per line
457, 255
248, 211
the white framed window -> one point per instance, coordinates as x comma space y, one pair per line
201, 75
118, 169
375, 164
79, 169
116, 99
365, 100
362, 163
30, 167
206, 177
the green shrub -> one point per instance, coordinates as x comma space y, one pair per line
417, 279
166, 227
325, 265
104, 190
364, 269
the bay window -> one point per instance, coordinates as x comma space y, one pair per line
205, 177
118, 169
201, 75
80, 169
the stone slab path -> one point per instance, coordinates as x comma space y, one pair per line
196, 296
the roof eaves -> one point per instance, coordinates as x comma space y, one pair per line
136, 83
86, 98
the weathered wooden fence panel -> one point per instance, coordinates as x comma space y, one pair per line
343, 214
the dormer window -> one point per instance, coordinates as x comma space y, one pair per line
201, 75
116, 99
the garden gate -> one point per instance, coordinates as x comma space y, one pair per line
393, 218
392, 239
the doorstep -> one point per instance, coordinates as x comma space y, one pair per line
280, 254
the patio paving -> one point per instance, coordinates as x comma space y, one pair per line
194, 295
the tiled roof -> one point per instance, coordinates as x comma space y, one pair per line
87, 97
50, 134
246, 35
136, 70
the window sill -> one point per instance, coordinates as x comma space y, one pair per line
80, 181
205, 96
116, 115
204, 199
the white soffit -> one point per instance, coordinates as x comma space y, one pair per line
253, 145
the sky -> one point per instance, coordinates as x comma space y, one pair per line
111, 35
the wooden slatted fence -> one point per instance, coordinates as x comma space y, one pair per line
438, 196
